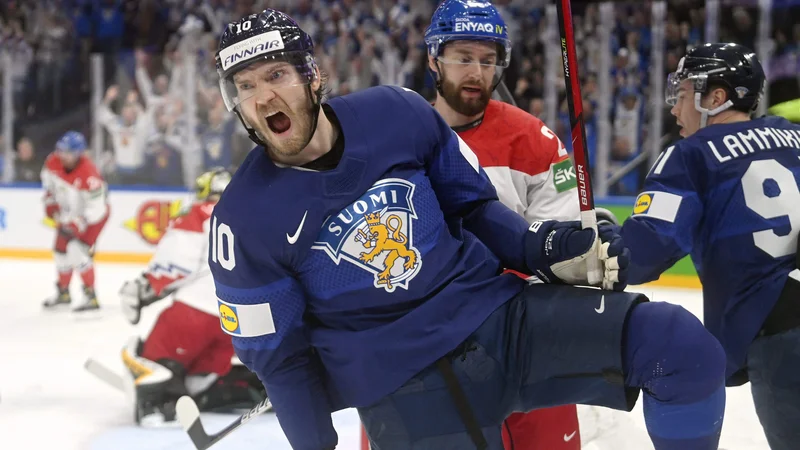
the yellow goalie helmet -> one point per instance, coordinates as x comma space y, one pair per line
212, 183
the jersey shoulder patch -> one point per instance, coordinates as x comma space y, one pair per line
658, 205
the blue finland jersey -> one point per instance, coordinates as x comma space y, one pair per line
339, 286
729, 195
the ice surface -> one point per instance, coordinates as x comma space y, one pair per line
48, 401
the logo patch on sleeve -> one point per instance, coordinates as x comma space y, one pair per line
658, 205
246, 320
564, 176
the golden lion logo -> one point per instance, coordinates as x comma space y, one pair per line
385, 238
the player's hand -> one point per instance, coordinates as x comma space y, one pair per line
51, 210
605, 217
558, 251
134, 295
73, 228
615, 256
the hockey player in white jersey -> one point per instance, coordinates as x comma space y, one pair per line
186, 352
76, 199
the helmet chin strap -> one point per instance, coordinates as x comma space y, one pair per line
705, 113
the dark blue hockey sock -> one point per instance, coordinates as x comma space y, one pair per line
680, 367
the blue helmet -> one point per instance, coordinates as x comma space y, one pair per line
259, 36
473, 20
72, 142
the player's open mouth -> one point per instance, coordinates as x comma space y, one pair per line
471, 90
278, 122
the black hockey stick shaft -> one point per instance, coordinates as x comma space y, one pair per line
580, 151
189, 418
505, 94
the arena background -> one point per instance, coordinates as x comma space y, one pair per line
138, 78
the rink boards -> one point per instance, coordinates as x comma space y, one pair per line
139, 218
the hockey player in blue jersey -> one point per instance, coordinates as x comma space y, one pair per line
729, 196
358, 256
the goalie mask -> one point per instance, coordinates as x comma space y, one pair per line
212, 183
729, 66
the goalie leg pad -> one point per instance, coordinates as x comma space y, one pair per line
157, 385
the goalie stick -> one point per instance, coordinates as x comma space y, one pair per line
189, 417
580, 151
105, 374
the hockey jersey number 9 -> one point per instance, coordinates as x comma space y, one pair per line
729, 195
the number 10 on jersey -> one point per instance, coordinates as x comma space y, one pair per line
222, 245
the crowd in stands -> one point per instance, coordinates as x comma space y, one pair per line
163, 119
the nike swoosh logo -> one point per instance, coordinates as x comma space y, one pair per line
602, 305
292, 239
568, 437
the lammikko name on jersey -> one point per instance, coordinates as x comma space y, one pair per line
745, 143
376, 233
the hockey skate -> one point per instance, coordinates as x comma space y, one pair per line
62, 297
90, 303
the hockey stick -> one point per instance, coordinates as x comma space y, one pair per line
189, 417
505, 94
104, 373
580, 151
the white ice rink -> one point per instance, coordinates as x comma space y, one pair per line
48, 401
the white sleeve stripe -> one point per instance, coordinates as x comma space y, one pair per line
246, 320
663, 205
663, 160
469, 155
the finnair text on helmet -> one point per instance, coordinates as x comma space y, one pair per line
249, 48
477, 26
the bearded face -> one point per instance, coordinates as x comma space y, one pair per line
277, 106
468, 73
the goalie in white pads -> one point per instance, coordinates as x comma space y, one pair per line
186, 352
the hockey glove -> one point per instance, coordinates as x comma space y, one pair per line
557, 251
605, 217
615, 256
135, 295
73, 228
51, 208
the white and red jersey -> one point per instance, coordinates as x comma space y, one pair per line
183, 253
81, 193
527, 164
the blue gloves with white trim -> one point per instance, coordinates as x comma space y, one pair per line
558, 253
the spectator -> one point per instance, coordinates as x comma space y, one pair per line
27, 167
129, 132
